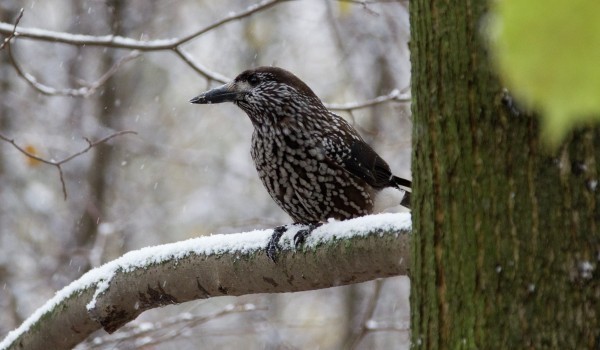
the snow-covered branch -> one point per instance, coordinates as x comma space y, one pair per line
108, 297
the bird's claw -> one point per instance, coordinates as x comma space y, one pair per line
300, 236
273, 248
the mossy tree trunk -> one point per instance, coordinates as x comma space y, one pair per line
506, 241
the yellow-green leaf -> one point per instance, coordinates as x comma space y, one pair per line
548, 54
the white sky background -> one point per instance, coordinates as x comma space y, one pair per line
188, 172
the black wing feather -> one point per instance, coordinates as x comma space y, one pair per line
366, 164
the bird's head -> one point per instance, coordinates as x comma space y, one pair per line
262, 92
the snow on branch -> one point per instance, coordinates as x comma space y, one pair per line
337, 253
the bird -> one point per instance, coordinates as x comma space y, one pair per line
311, 161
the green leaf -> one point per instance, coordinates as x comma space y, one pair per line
548, 54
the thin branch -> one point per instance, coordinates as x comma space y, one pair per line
112, 71
263, 5
58, 164
394, 95
13, 33
202, 70
152, 331
373, 326
365, 5
83, 91
121, 42
174, 44
368, 315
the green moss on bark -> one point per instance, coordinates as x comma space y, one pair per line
505, 232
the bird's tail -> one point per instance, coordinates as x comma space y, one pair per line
398, 181
405, 185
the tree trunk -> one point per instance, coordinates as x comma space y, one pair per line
506, 243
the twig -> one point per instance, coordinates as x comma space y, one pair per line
150, 332
59, 163
91, 88
388, 327
114, 41
263, 5
83, 91
365, 5
202, 70
13, 33
394, 95
368, 315
121, 42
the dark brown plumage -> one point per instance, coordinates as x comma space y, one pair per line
311, 161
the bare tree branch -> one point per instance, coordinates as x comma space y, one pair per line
83, 91
58, 164
115, 41
119, 42
91, 88
202, 70
14, 30
174, 45
159, 332
108, 297
359, 335
394, 95
263, 5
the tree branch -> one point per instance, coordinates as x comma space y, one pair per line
394, 95
108, 297
59, 163
115, 41
263, 5
120, 42
83, 91
201, 69
14, 30
358, 336
158, 332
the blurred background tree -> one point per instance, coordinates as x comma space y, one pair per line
188, 171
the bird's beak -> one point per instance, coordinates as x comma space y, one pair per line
224, 93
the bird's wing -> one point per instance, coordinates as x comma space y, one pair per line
365, 163
362, 161
359, 159
347, 149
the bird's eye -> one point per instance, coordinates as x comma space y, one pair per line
253, 79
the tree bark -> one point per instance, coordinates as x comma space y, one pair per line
506, 244
116, 293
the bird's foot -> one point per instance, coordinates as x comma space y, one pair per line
273, 247
300, 237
